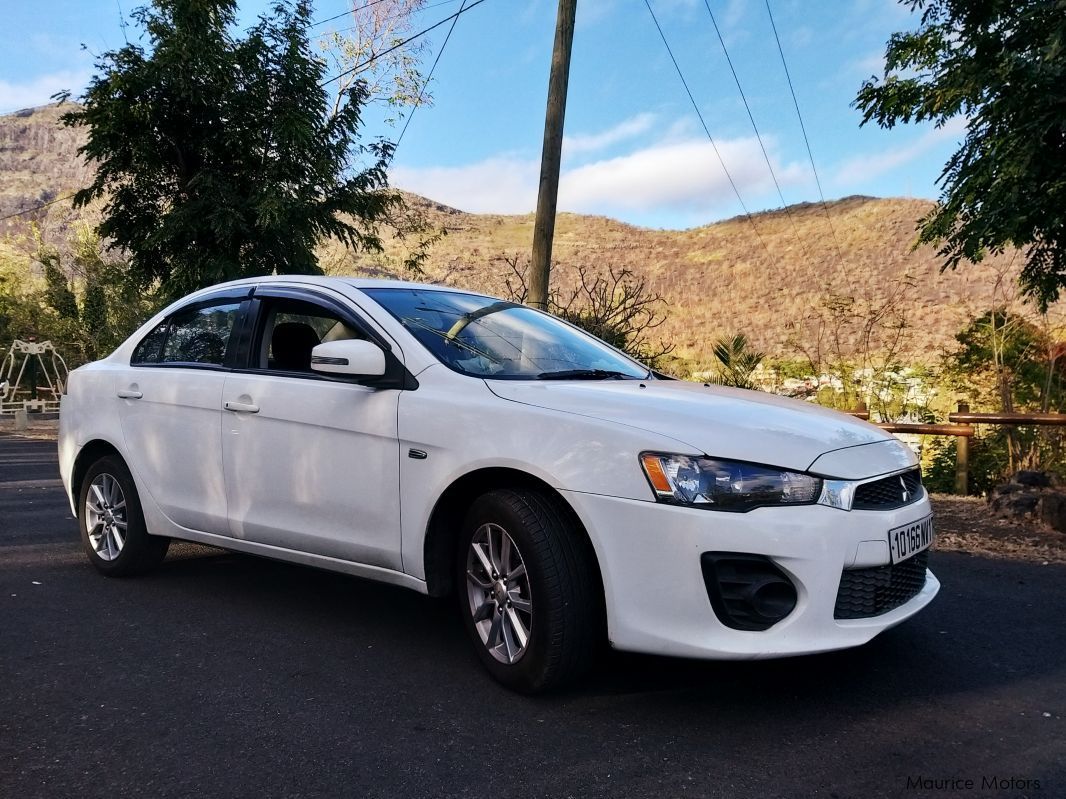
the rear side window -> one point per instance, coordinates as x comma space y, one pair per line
150, 350
199, 335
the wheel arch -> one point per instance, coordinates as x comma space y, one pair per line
448, 512
90, 452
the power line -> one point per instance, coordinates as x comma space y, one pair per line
363, 7
806, 141
403, 43
418, 10
425, 85
36, 207
707, 130
751, 117
122, 22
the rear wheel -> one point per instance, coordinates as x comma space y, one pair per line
528, 591
113, 531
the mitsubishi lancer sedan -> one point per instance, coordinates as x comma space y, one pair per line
460, 445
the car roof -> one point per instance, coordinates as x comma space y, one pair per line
355, 282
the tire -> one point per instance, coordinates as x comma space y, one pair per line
557, 578
107, 500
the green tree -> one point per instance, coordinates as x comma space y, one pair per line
58, 292
1001, 65
737, 361
1008, 362
222, 157
96, 326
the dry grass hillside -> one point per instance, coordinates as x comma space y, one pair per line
717, 279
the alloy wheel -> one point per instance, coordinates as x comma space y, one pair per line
105, 516
498, 592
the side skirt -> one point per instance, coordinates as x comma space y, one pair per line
376, 573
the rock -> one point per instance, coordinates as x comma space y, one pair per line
1014, 503
1034, 479
1022, 504
1007, 488
1053, 510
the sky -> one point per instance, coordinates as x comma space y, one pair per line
634, 148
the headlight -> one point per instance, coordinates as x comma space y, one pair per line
726, 485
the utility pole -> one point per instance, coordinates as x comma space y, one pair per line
551, 154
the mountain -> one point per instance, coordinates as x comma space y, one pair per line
784, 277
38, 163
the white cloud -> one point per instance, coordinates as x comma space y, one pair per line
861, 170
501, 184
39, 90
677, 176
734, 13
668, 177
591, 142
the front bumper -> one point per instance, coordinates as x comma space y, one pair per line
657, 600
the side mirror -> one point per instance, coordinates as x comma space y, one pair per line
352, 357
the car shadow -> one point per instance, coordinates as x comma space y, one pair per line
987, 627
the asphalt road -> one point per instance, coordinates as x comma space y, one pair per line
223, 675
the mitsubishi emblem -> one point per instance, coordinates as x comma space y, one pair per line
906, 493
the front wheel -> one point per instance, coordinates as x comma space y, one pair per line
113, 531
528, 591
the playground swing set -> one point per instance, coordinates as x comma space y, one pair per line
32, 378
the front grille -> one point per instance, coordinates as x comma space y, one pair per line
889, 492
870, 592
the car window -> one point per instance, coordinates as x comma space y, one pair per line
487, 337
197, 335
292, 329
200, 335
150, 349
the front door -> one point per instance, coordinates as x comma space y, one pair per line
311, 463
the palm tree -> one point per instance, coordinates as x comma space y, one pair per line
736, 362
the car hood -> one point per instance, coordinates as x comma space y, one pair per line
717, 421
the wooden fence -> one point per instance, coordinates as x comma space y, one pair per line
961, 426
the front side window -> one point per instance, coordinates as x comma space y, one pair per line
486, 337
198, 335
293, 328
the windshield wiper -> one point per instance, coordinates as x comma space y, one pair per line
462, 344
585, 374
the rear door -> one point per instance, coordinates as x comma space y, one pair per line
171, 419
311, 463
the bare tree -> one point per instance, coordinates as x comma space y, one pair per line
858, 341
617, 307
363, 48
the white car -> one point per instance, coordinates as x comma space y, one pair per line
455, 443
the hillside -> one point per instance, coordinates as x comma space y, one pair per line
717, 279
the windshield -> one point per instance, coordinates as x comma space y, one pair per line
486, 337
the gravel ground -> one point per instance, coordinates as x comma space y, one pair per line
965, 524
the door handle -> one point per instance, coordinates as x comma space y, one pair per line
129, 393
241, 407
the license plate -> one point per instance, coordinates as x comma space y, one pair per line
908, 540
